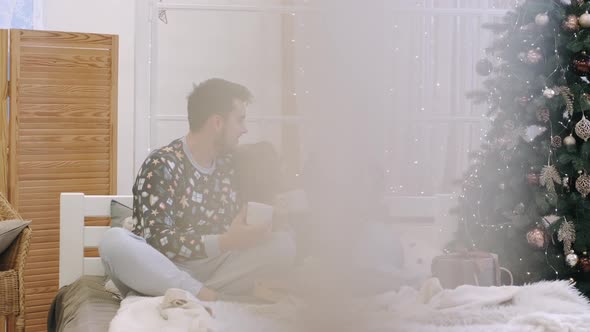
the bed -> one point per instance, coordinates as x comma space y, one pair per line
82, 303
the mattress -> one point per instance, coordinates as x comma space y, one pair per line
83, 306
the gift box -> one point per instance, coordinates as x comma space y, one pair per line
467, 268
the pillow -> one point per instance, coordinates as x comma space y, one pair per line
119, 212
9, 230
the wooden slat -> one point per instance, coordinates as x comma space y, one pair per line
63, 139
114, 112
60, 51
49, 278
65, 76
98, 82
3, 112
64, 39
91, 252
56, 131
63, 91
77, 61
62, 100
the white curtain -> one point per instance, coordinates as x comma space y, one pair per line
21, 14
431, 125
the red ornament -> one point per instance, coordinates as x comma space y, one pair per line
522, 101
532, 178
582, 64
585, 264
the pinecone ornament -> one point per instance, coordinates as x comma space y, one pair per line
543, 115
583, 185
583, 128
556, 141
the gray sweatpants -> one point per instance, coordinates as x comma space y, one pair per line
133, 264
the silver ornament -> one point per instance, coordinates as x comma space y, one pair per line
583, 128
549, 93
569, 140
571, 259
542, 19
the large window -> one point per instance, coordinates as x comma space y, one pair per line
431, 126
20, 14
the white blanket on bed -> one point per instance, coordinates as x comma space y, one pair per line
541, 307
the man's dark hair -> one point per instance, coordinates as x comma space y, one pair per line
213, 96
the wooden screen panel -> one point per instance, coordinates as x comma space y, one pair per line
3, 111
63, 123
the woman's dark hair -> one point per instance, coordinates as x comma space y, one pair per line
258, 169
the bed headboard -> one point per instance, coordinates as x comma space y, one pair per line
74, 236
422, 224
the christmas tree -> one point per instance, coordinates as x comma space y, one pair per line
525, 196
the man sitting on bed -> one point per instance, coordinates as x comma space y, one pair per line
190, 222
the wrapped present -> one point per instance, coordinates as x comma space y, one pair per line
467, 268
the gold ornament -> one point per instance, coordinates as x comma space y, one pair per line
584, 20
568, 97
567, 235
583, 128
550, 176
571, 259
571, 23
536, 238
569, 141
583, 185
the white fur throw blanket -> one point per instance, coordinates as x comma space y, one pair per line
542, 307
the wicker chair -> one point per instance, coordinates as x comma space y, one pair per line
12, 265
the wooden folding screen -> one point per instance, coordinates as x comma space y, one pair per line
63, 125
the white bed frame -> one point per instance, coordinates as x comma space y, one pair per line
422, 224
74, 236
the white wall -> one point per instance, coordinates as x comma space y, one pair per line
110, 17
241, 46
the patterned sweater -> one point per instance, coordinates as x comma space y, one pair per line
180, 208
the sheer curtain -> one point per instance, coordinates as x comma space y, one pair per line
431, 126
21, 14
